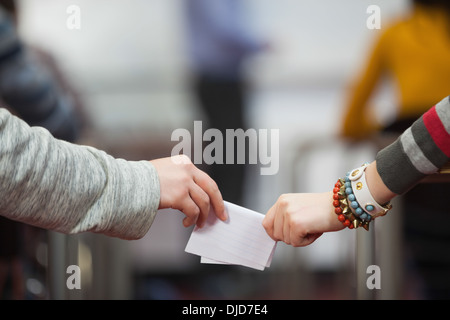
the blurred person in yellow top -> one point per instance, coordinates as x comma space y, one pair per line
414, 52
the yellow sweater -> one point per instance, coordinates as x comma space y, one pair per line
415, 52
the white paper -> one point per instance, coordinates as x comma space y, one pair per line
241, 240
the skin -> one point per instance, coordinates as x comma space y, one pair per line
298, 219
188, 189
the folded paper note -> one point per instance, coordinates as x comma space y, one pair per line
241, 240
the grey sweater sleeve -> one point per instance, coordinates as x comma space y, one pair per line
69, 188
421, 150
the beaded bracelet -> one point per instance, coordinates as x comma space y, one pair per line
346, 205
342, 208
370, 208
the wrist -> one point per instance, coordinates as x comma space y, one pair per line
357, 202
377, 188
334, 223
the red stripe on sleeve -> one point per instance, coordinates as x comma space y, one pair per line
437, 130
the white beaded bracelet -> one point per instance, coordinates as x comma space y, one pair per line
362, 193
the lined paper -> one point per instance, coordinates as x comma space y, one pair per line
241, 240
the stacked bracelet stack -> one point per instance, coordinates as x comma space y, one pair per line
353, 202
343, 209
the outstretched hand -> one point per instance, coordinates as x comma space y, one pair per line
298, 219
186, 188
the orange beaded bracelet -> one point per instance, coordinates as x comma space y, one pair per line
343, 210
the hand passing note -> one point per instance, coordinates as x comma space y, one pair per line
298, 219
188, 189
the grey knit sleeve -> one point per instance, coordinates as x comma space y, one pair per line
421, 150
71, 188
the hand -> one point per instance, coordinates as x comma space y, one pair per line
298, 219
186, 188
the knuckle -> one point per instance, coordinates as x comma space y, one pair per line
192, 213
181, 194
278, 236
213, 187
186, 180
184, 159
283, 201
204, 201
195, 211
181, 159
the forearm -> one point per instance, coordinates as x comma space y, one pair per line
420, 151
69, 188
365, 192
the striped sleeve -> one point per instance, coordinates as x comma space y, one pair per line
421, 150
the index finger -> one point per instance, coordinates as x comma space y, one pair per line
212, 190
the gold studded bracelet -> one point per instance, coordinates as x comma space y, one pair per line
348, 195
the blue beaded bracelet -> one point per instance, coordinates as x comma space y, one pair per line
354, 205
370, 208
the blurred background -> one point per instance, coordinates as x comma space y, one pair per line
130, 68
